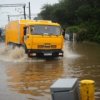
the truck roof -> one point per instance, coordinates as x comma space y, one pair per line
37, 22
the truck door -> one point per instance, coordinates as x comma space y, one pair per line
26, 31
27, 37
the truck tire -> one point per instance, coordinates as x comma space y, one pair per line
29, 54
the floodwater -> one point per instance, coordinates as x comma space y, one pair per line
23, 78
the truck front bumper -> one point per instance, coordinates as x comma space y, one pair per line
52, 52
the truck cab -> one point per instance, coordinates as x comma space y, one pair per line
43, 39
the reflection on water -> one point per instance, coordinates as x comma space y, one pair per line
33, 76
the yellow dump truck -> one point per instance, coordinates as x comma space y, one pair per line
38, 37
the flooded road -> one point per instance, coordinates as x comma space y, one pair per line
23, 78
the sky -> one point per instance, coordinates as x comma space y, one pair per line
36, 6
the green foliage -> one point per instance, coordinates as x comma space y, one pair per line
84, 12
46, 12
73, 29
79, 16
80, 31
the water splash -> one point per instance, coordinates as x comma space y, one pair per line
68, 52
17, 54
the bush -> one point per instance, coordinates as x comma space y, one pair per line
80, 32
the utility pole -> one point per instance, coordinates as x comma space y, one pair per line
8, 18
24, 12
29, 11
14, 5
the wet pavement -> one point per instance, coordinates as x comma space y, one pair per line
23, 78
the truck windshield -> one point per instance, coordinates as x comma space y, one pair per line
45, 30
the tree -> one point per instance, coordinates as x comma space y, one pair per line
46, 12
83, 13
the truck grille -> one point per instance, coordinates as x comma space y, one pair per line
46, 46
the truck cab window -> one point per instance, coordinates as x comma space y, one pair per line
45, 29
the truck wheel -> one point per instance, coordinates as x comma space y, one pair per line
29, 55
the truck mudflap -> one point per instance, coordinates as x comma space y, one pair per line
53, 53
